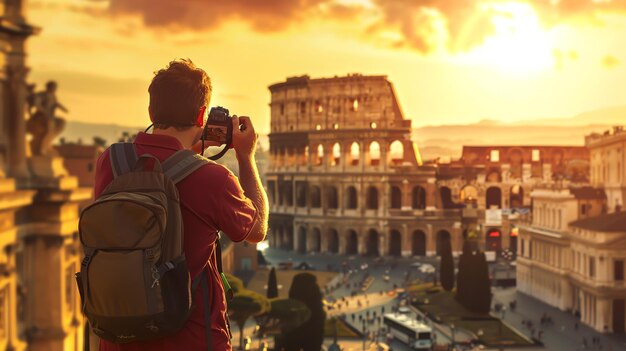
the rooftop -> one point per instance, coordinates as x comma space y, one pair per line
613, 222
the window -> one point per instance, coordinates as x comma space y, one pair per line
536, 156
318, 107
618, 270
583, 209
592, 267
373, 125
282, 109
355, 105
494, 156
303, 107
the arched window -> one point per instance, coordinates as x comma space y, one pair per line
355, 154
316, 197
396, 197
319, 160
336, 155
418, 198
351, 198
372, 198
396, 151
333, 198
374, 151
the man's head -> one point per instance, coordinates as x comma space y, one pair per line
179, 95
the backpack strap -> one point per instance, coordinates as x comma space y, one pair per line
123, 158
182, 163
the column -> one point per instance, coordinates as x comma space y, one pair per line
51, 256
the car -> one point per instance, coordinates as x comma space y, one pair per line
364, 266
304, 266
416, 264
285, 265
427, 268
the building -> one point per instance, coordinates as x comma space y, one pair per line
39, 302
80, 161
572, 255
608, 165
344, 175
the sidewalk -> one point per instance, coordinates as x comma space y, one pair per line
561, 335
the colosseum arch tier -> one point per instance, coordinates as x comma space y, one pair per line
342, 149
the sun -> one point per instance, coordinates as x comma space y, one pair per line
519, 44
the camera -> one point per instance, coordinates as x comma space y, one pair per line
219, 126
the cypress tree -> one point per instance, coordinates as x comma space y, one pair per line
310, 335
462, 285
272, 284
447, 266
483, 284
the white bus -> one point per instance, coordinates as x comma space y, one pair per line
409, 331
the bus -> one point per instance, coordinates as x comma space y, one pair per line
408, 330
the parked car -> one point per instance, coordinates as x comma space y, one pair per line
305, 266
285, 265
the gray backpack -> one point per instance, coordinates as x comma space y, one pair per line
134, 281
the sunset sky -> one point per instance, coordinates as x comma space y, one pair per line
451, 61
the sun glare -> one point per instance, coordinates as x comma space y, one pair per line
519, 45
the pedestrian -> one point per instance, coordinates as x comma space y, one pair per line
584, 343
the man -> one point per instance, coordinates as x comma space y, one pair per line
212, 198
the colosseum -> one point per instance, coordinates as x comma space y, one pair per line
345, 176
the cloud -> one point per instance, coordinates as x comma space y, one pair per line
265, 15
421, 25
610, 62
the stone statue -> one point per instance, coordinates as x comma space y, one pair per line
43, 124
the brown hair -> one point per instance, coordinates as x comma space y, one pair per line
177, 93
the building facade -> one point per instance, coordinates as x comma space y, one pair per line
572, 256
344, 175
608, 165
39, 302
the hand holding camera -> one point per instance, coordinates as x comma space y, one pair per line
232, 132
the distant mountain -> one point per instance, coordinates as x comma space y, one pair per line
448, 140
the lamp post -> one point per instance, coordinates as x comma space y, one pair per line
364, 335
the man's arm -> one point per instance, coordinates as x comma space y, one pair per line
244, 143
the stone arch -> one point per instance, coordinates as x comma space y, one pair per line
333, 241
288, 192
446, 197
469, 194
316, 240
302, 240
336, 159
355, 154
396, 197
418, 197
319, 155
396, 152
442, 236
418, 243
371, 243
333, 197
493, 240
513, 235
493, 176
352, 242
301, 194
305, 156
372, 198
395, 243
352, 198
493, 197
316, 197
374, 153
516, 196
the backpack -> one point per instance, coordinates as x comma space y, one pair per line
134, 282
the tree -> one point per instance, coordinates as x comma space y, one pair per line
447, 266
245, 304
310, 335
98, 141
284, 315
483, 284
272, 284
